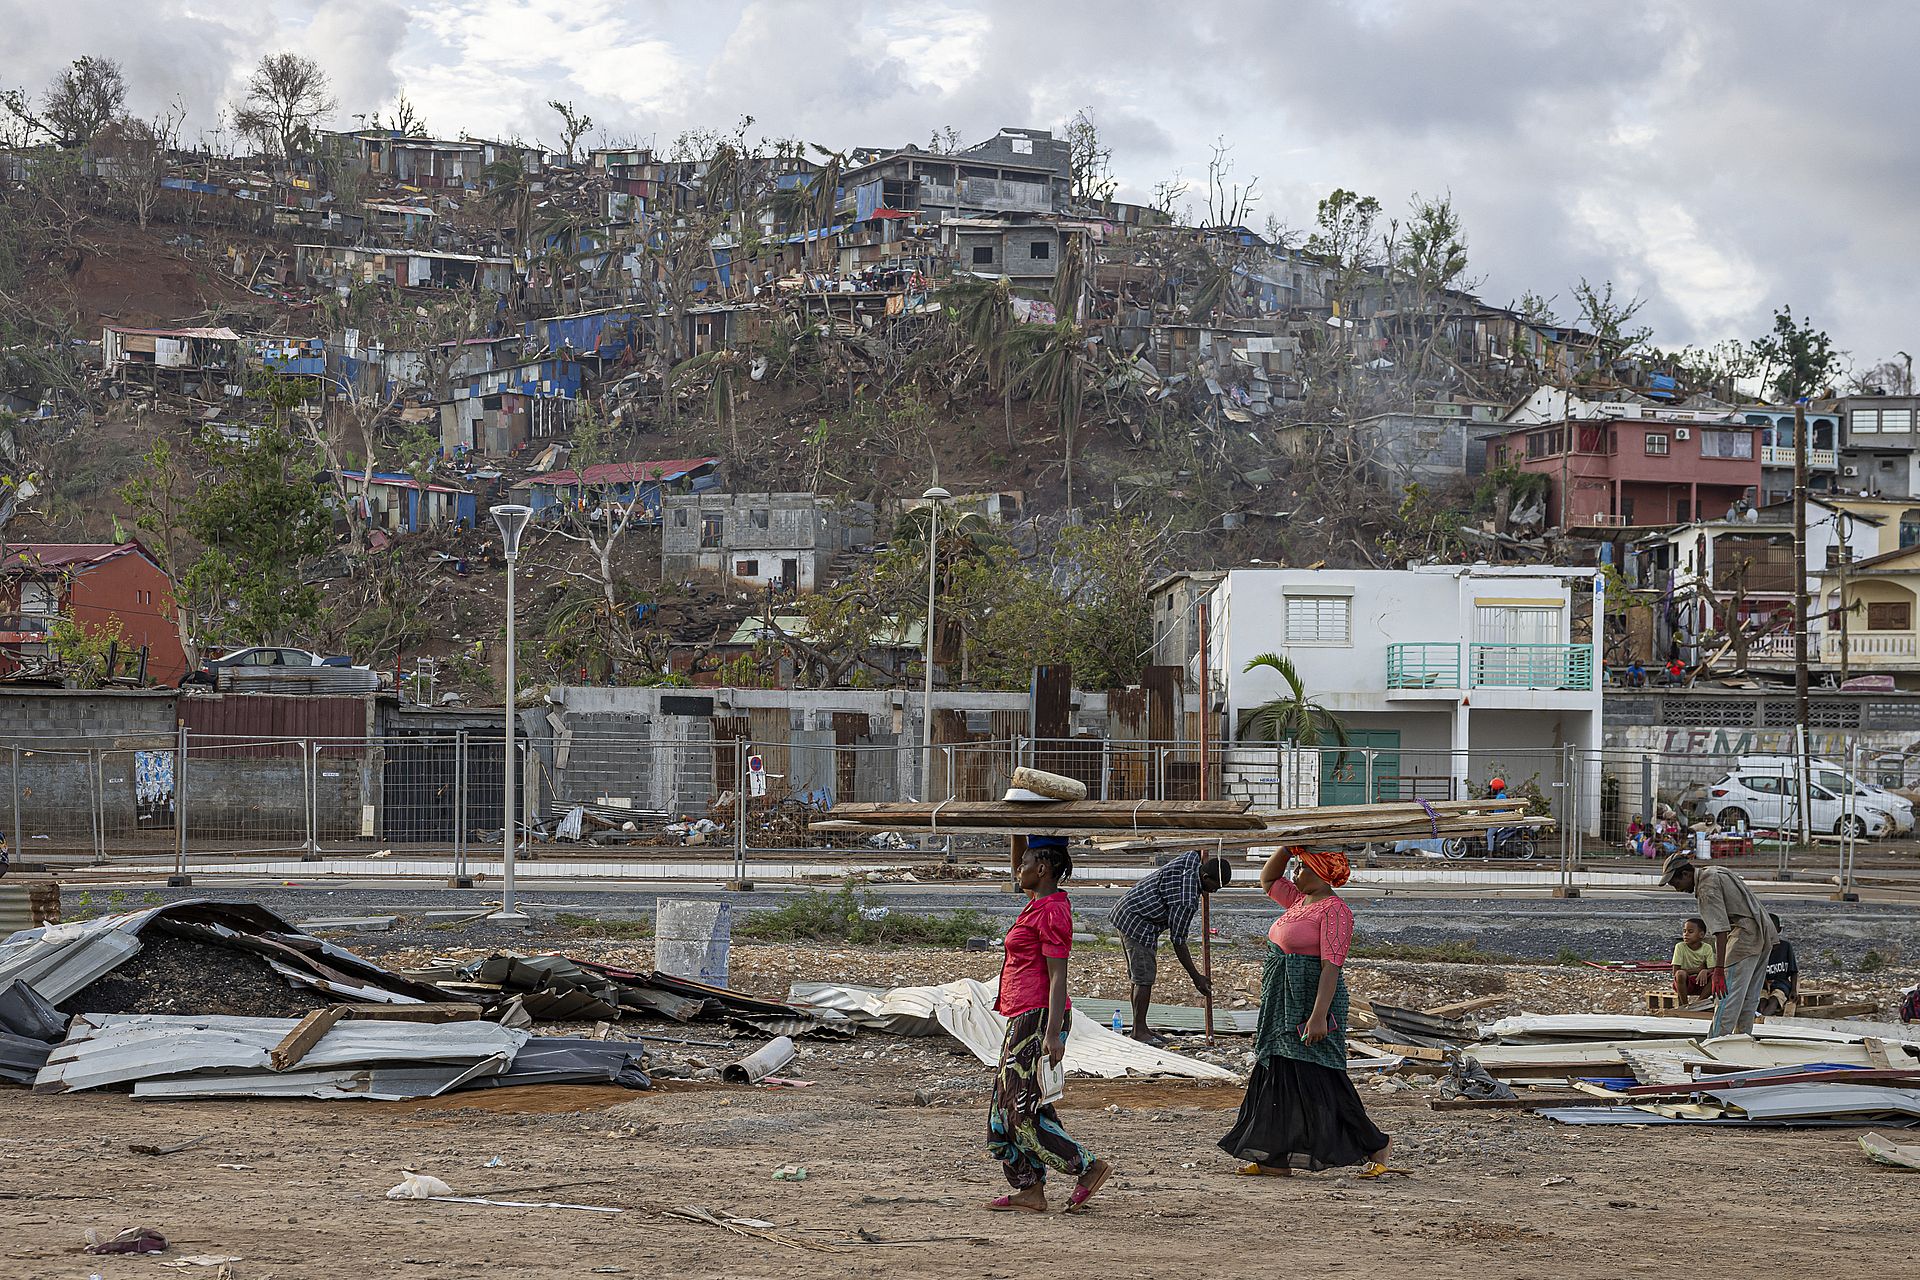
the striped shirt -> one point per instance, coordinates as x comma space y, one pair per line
1166, 901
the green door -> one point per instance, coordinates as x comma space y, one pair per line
1343, 775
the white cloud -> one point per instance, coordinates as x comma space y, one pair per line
1720, 159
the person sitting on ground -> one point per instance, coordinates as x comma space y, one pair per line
1676, 671
1783, 976
1164, 901
1636, 675
1637, 839
1692, 962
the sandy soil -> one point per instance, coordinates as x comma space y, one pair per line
890, 1133
895, 1188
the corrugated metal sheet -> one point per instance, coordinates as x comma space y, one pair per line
964, 1009
28, 904
272, 720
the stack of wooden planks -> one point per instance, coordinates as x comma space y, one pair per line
1059, 817
1118, 825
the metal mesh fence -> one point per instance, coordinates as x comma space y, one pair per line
615, 798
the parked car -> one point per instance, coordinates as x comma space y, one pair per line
259, 656
1765, 801
1827, 774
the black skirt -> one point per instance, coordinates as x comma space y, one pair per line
1301, 1115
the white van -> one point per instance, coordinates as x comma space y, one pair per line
1825, 773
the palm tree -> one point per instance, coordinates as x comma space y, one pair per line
510, 192
982, 310
1057, 370
1293, 716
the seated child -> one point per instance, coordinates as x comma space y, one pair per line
1639, 840
1693, 962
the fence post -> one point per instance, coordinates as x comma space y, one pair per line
180, 876
1366, 762
95, 802
461, 878
17, 851
740, 812
310, 797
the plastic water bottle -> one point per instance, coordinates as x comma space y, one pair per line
1119, 1027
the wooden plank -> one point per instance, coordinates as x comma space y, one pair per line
439, 1011
306, 1033
1417, 1052
1511, 1104
1460, 1007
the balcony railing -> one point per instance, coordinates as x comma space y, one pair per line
1870, 645
1781, 455
1491, 666
38, 624
1423, 666
1531, 666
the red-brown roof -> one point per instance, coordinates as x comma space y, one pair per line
58, 555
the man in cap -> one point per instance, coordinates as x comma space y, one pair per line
1164, 901
1743, 935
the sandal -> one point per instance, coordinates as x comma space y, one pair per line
1258, 1170
1083, 1191
1373, 1169
1007, 1204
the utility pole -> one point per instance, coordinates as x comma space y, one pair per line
1801, 608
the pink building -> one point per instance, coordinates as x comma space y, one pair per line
1617, 472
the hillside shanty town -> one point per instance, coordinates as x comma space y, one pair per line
958, 640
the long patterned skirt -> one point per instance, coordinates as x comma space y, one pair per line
1301, 1109
1023, 1135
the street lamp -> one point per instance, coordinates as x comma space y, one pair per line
512, 521
934, 496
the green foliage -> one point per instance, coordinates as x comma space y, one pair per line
258, 514
1798, 360
84, 652
598, 927
1874, 961
1293, 716
1522, 487
998, 613
846, 916
1453, 952
1607, 317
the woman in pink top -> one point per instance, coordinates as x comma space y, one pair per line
1301, 1109
1023, 1130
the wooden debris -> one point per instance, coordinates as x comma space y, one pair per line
1460, 1008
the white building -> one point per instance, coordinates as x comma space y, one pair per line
1442, 675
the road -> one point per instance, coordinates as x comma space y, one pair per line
1625, 925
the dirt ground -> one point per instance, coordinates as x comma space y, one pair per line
890, 1133
896, 1189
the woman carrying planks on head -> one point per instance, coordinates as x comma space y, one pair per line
1023, 1129
1301, 1109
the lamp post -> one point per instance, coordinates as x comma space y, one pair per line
512, 521
934, 496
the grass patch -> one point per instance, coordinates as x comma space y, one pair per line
1874, 961
1466, 952
863, 919
594, 925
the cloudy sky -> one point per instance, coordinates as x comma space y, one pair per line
1718, 157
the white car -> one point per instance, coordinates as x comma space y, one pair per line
1825, 773
1765, 801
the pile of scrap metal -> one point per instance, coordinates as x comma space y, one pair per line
62, 962
519, 990
1670, 1070
386, 1057
363, 1031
